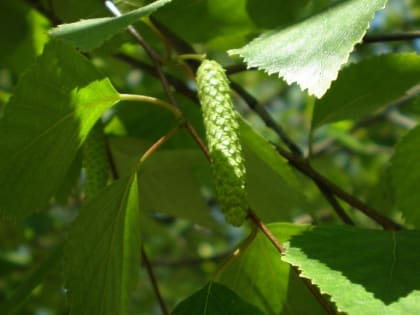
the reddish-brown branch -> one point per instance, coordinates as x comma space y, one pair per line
153, 281
314, 291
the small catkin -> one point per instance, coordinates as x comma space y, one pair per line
95, 161
222, 133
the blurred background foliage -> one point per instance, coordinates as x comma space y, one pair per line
354, 154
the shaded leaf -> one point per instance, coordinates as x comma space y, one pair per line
103, 251
312, 52
378, 279
20, 47
405, 175
90, 34
260, 277
273, 190
367, 86
170, 179
54, 106
223, 20
215, 299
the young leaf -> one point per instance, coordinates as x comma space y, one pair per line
367, 86
364, 271
90, 34
102, 257
56, 103
215, 299
260, 277
312, 52
405, 174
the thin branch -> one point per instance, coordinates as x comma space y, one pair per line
324, 145
189, 262
335, 204
241, 248
175, 82
158, 66
315, 292
153, 281
375, 38
155, 146
265, 116
197, 139
307, 169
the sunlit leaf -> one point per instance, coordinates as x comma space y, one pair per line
364, 271
48, 117
260, 277
312, 52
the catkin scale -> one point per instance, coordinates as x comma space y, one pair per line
95, 161
222, 133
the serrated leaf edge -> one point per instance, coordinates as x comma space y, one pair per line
289, 81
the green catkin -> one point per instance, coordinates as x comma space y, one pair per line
95, 161
222, 133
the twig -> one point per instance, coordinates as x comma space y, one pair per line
391, 37
307, 169
265, 116
315, 292
324, 145
188, 262
153, 281
175, 82
158, 66
241, 248
335, 204
155, 146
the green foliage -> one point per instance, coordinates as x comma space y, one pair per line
107, 226
261, 278
375, 83
92, 33
52, 110
143, 240
405, 175
215, 299
312, 52
281, 191
374, 267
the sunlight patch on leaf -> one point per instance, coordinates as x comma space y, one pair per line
378, 279
53, 108
312, 52
260, 277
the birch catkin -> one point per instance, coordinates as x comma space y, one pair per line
222, 133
